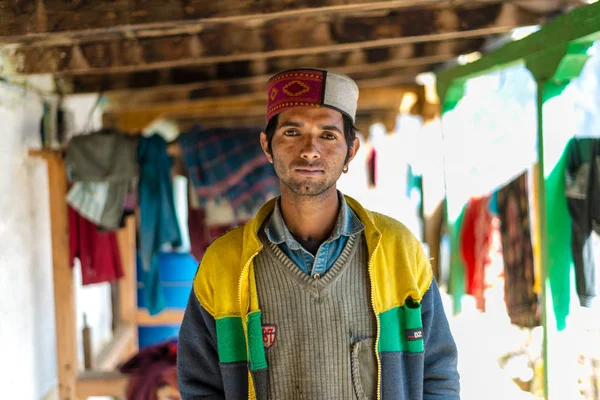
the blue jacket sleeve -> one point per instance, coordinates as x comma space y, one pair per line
441, 378
198, 368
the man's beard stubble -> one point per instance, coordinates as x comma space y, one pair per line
305, 187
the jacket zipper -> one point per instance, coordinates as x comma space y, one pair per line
377, 321
244, 315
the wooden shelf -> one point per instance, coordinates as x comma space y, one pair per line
101, 383
166, 317
124, 339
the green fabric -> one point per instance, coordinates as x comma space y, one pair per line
393, 326
560, 256
255, 342
231, 341
558, 220
457, 268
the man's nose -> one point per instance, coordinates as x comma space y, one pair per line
310, 149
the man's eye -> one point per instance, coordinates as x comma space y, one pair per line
290, 133
329, 136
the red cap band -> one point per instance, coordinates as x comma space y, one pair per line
297, 88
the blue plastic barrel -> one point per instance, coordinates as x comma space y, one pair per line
177, 271
149, 335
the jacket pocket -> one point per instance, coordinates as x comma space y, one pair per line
364, 369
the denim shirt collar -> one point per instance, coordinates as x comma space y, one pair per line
347, 224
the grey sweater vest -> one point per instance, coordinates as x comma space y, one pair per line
319, 333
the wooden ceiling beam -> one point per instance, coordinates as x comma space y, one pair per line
134, 117
185, 123
254, 91
283, 39
48, 22
141, 85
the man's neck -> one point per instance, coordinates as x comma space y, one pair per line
310, 218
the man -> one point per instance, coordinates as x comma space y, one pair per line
316, 297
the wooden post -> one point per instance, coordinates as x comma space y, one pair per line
88, 351
128, 284
64, 291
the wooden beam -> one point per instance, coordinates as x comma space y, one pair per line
128, 284
102, 383
134, 117
255, 90
64, 288
232, 43
59, 22
118, 348
142, 84
49, 61
185, 123
166, 317
371, 97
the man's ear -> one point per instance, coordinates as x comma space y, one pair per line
264, 143
353, 150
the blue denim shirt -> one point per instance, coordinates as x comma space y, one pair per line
347, 225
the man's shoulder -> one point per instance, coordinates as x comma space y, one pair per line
219, 271
233, 236
226, 248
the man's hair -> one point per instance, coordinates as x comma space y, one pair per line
349, 132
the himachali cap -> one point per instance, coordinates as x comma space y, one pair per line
311, 88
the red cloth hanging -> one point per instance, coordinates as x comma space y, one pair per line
201, 235
372, 167
97, 251
475, 243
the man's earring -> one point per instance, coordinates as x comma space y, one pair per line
345, 170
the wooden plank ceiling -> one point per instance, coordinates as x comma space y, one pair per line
149, 51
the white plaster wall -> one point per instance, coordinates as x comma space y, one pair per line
27, 329
27, 335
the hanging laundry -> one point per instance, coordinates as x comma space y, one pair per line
158, 218
98, 252
513, 210
153, 373
205, 225
372, 167
493, 204
201, 234
197, 228
583, 199
229, 164
475, 246
102, 166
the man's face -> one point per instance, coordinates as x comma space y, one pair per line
309, 150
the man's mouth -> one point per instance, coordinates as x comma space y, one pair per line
310, 171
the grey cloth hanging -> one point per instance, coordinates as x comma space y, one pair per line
102, 166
